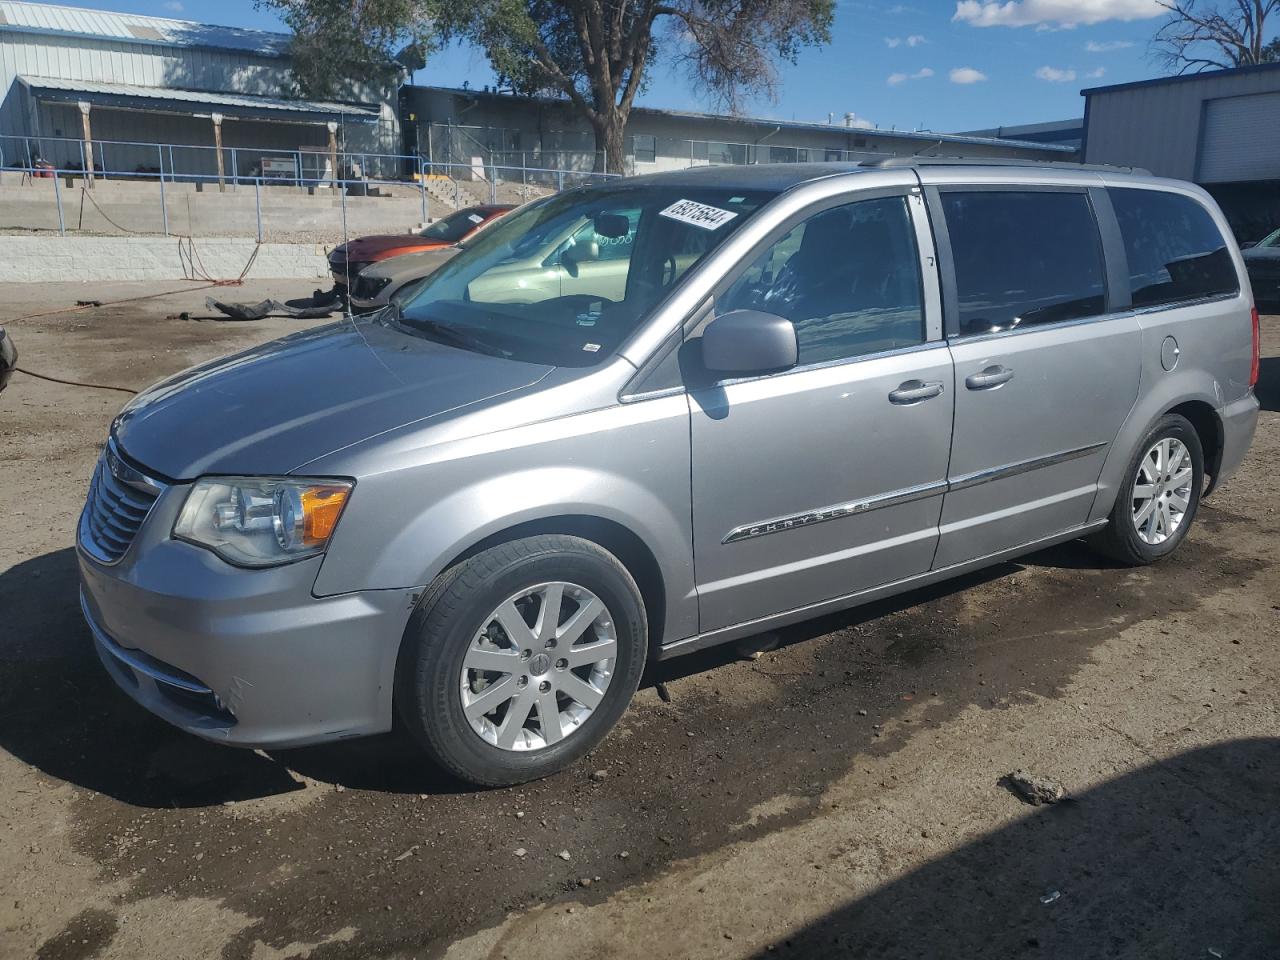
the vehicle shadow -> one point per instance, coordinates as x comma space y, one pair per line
1175, 859
1268, 388
61, 713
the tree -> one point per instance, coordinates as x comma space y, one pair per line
595, 53
338, 43
1215, 37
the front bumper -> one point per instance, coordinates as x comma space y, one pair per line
243, 657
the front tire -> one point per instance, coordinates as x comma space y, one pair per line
1158, 499
520, 659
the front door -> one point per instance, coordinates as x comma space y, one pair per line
1044, 374
828, 478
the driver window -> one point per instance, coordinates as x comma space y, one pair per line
848, 278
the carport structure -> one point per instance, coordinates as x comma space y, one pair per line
125, 83
243, 135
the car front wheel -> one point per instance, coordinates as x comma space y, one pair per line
521, 658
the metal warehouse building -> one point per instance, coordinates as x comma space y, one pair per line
1220, 129
118, 79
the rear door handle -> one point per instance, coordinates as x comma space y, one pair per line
914, 391
989, 379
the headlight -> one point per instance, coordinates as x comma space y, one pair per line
257, 522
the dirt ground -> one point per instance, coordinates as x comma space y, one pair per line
841, 796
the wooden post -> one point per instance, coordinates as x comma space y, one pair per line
333, 154
88, 142
217, 144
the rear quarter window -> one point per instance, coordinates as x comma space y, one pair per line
1175, 250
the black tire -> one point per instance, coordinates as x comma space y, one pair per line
446, 621
1119, 539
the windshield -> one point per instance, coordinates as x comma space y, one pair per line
565, 280
455, 226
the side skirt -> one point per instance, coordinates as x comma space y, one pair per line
750, 627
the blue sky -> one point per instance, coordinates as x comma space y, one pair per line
937, 64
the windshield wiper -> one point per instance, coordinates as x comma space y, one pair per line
444, 333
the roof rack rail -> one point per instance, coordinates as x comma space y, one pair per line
891, 162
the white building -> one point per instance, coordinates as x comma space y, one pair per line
478, 127
130, 80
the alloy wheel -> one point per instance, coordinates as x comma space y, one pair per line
538, 666
1162, 491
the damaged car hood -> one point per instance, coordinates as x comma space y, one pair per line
274, 408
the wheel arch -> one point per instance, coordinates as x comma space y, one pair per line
621, 541
1208, 426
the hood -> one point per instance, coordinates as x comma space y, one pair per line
369, 248
274, 408
412, 264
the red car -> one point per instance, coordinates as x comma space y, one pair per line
348, 259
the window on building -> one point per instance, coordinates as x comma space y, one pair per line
848, 278
1175, 250
1024, 258
644, 148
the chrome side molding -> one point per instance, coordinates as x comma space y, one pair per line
896, 498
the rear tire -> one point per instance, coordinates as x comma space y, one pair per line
1159, 496
484, 659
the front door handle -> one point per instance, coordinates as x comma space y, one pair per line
989, 378
913, 391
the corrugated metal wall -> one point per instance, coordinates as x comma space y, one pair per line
1158, 125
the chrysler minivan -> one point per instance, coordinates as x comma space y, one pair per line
792, 389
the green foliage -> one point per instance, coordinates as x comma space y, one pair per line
593, 52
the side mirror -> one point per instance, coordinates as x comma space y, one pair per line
745, 342
1248, 243
577, 253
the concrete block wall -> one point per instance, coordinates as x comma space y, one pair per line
43, 258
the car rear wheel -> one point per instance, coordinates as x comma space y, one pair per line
520, 659
1160, 495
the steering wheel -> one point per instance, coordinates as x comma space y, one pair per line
669, 264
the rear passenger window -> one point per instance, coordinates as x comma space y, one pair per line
1023, 258
848, 278
1174, 248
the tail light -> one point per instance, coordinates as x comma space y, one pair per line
1257, 348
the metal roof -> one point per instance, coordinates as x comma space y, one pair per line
923, 136
1182, 78
121, 93
45, 18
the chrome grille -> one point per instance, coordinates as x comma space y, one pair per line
120, 498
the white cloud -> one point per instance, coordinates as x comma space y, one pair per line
901, 8
1095, 74
894, 79
915, 40
892, 42
1061, 13
1106, 46
966, 75
173, 6
1054, 75
912, 41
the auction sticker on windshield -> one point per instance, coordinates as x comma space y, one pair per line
698, 214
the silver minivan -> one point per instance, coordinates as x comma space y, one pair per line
790, 389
